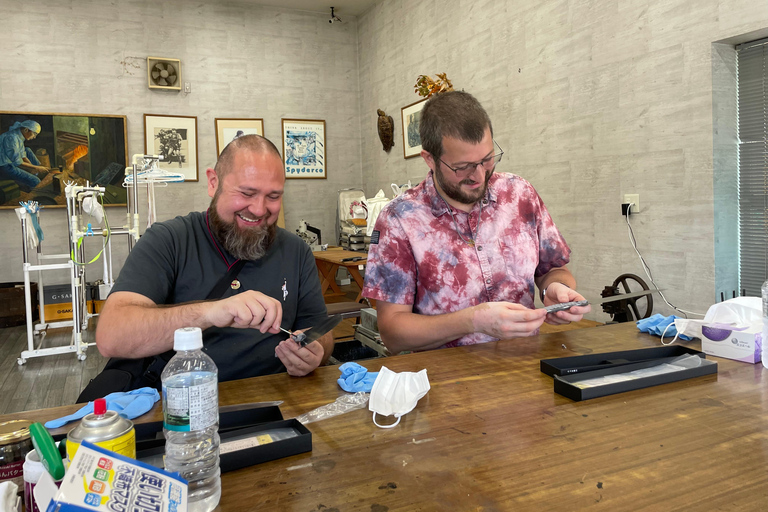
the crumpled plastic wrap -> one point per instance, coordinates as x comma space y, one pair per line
342, 405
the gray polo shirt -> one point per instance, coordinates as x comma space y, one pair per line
178, 261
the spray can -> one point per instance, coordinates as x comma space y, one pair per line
103, 428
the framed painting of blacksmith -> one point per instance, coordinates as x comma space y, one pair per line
41, 152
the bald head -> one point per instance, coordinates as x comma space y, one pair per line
253, 143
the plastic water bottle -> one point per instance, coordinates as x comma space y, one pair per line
191, 419
764, 352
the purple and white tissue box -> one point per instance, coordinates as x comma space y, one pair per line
744, 345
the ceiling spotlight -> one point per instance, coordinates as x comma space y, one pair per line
334, 17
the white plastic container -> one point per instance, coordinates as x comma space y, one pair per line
33, 470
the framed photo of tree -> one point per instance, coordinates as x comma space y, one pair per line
175, 138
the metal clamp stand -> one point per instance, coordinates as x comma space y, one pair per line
144, 170
140, 162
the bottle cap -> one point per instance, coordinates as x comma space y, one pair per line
188, 338
99, 406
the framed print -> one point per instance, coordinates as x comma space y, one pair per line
411, 139
42, 152
175, 138
228, 129
304, 148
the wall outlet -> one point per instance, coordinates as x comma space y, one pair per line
633, 198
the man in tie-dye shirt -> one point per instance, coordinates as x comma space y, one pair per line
454, 260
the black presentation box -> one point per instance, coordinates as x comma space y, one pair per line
569, 371
231, 417
235, 424
591, 362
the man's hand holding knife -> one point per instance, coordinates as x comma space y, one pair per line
303, 351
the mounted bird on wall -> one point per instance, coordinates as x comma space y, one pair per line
386, 130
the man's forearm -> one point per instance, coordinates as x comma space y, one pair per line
30, 167
411, 331
135, 331
328, 343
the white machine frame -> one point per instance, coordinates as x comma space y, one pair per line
80, 317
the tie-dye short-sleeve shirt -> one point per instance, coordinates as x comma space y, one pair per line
420, 258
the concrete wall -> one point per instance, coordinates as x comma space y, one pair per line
590, 100
242, 60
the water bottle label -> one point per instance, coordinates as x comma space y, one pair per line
191, 408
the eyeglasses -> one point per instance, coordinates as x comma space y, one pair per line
488, 164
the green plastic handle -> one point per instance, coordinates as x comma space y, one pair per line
47, 451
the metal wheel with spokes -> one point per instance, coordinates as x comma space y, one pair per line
633, 283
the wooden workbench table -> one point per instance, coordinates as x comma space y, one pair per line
328, 263
491, 435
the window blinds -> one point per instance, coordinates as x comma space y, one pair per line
753, 165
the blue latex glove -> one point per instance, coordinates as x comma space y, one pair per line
656, 324
356, 378
36, 226
130, 404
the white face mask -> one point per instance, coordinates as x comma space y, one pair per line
732, 315
688, 327
396, 393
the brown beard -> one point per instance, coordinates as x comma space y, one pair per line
244, 244
454, 191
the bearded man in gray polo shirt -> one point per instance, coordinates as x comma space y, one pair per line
176, 264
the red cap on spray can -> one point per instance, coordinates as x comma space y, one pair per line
99, 406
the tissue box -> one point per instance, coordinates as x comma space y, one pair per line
738, 345
741, 345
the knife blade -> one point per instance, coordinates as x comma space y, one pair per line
314, 333
614, 298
